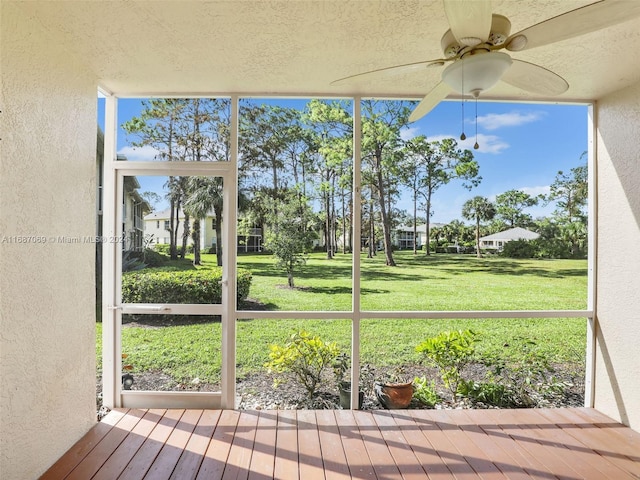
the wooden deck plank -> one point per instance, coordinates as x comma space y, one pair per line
167, 459
90, 465
215, 458
606, 441
264, 449
629, 439
512, 441
82, 447
562, 444
554, 460
483, 465
402, 453
121, 457
583, 459
309, 459
333, 458
491, 448
189, 463
286, 461
489, 423
142, 461
455, 462
383, 462
241, 450
355, 452
424, 451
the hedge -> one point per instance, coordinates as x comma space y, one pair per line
179, 286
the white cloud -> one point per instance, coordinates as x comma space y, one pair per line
535, 191
493, 121
139, 154
408, 133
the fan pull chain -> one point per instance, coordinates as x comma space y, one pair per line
476, 146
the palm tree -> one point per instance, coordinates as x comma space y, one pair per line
203, 195
479, 209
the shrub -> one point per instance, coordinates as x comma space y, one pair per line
186, 286
528, 379
490, 393
153, 258
450, 352
425, 392
519, 249
162, 248
305, 356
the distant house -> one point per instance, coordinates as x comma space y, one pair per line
158, 224
402, 236
134, 207
496, 241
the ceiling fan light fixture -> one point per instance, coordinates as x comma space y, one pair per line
476, 73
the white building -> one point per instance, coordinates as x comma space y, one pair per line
496, 241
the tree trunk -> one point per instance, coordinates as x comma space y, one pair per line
173, 253
217, 209
478, 254
386, 220
290, 279
185, 236
415, 225
196, 241
428, 224
327, 220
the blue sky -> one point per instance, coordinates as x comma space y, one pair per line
522, 146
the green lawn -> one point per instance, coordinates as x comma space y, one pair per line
439, 282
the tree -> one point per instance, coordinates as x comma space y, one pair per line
152, 198
434, 164
510, 207
381, 143
288, 238
204, 194
330, 124
479, 209
569, 191
157, 126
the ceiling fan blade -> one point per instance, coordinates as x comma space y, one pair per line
433, 98
470, 20
389, 71
577, 22
534, 78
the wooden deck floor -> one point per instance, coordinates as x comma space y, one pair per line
341, 444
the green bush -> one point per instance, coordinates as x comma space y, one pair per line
162, 248
450, 352
519, 249
186, 286
425, 392
305, 356
489, 393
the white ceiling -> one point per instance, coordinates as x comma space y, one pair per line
299, 47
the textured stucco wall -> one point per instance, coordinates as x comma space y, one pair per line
47, 189
618, 261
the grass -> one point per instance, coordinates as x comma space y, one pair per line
439, 282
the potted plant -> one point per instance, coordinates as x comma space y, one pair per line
340, 369
396, 392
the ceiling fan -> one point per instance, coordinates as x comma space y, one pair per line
471, 47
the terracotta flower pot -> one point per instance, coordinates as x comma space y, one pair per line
394, 395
